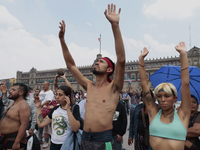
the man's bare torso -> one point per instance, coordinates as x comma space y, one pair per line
100, 107
10, 121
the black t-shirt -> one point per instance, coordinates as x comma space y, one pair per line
119, 120
195, 140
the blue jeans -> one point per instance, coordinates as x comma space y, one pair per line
132, 107
40, 130
55, 146
104, 136
117, 145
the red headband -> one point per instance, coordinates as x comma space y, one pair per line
110, 65
108, 61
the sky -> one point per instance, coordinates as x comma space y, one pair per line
29, 31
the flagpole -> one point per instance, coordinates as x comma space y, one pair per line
100, 43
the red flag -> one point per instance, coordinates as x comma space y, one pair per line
99, 39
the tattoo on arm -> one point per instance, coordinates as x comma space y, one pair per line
40, 118
44, 119
171, 118
148, 98
146, 93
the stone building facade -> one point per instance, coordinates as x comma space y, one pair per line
35, 78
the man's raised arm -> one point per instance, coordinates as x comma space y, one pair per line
113, 18
69, 60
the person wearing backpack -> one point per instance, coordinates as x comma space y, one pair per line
60, 117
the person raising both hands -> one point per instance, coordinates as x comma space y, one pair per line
103, 95
168, 127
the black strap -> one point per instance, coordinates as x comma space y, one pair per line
72, 109
143, 117
74, 136
74, 140
81, 119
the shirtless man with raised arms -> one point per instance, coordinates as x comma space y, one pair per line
102, 96
15, 119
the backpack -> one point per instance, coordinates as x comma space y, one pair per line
81, 119
72, 141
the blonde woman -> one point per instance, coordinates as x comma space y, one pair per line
168, 127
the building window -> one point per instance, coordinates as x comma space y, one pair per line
195, 62
133, 77
147, 76
125, 77
138, 77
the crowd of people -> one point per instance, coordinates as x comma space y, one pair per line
96, 118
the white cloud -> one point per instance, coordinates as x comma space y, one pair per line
7, 19
85, 56
171, 9
89, 24
149, 25
131, 43
92, 1
156, 49
163, 35
20, 50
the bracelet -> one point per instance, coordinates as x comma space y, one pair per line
184, 68
141, 65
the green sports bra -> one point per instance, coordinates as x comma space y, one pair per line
174, 130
